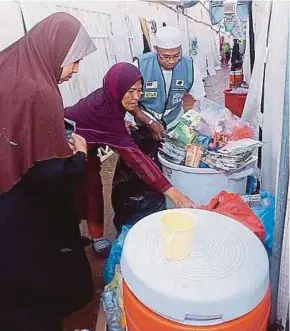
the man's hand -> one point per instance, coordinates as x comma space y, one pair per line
188, 102
157, 130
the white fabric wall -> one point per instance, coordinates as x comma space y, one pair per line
196, 30
258, 12
275, 58
210, 47
162, 14
216, 50
246, 60
283, 290
252, 108
275, 77
201, 29
115, 28
94, 66
10, 24
283, 293
183, 26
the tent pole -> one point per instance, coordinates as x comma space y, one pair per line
22, 17
251, 34
281, 201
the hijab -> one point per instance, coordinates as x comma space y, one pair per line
100, 116
31, 109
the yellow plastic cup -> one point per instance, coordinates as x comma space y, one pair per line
176, 235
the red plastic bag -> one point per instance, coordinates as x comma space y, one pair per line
232, 205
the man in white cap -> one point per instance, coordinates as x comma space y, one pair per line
168, 77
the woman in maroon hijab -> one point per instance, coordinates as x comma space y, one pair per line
100, 120
44, 273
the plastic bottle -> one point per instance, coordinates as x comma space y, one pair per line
111, 310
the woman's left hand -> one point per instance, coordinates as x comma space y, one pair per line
78, 144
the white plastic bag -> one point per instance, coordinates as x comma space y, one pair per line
221, 120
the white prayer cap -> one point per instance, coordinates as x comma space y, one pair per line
168, 37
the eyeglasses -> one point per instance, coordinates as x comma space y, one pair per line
169, 57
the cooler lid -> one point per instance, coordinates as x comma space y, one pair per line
226, 276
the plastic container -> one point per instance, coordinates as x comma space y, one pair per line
236, 78
176, 235
225, 278
140, 318
111, 310
235, 102
202, 184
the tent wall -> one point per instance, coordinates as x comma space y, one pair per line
281, 252
275, 78
269, 91
10, 24
116, 31
253, 104
268, 76
283, 287
93, 67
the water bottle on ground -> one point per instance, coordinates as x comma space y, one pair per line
111, 310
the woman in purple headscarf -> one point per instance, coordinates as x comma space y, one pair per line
100, 120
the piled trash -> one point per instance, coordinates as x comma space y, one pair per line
239, 90
112, 301
234, 156
211, 136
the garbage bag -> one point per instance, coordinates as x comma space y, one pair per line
222, 121
132, 201
232, 205
265, 211
132, 198
115, 255
147, 144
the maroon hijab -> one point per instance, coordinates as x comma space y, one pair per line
100, 116
31, 109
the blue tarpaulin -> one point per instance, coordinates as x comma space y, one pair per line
242, 10
216, 11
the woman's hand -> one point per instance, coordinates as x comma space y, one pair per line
179, 200
157, 130
78, 144
130, 126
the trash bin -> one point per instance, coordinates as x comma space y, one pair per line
202, 184
235, 102
236, 78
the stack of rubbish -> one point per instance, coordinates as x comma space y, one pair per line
239, 90
112, 301
173, 150
234, 156
211, 136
